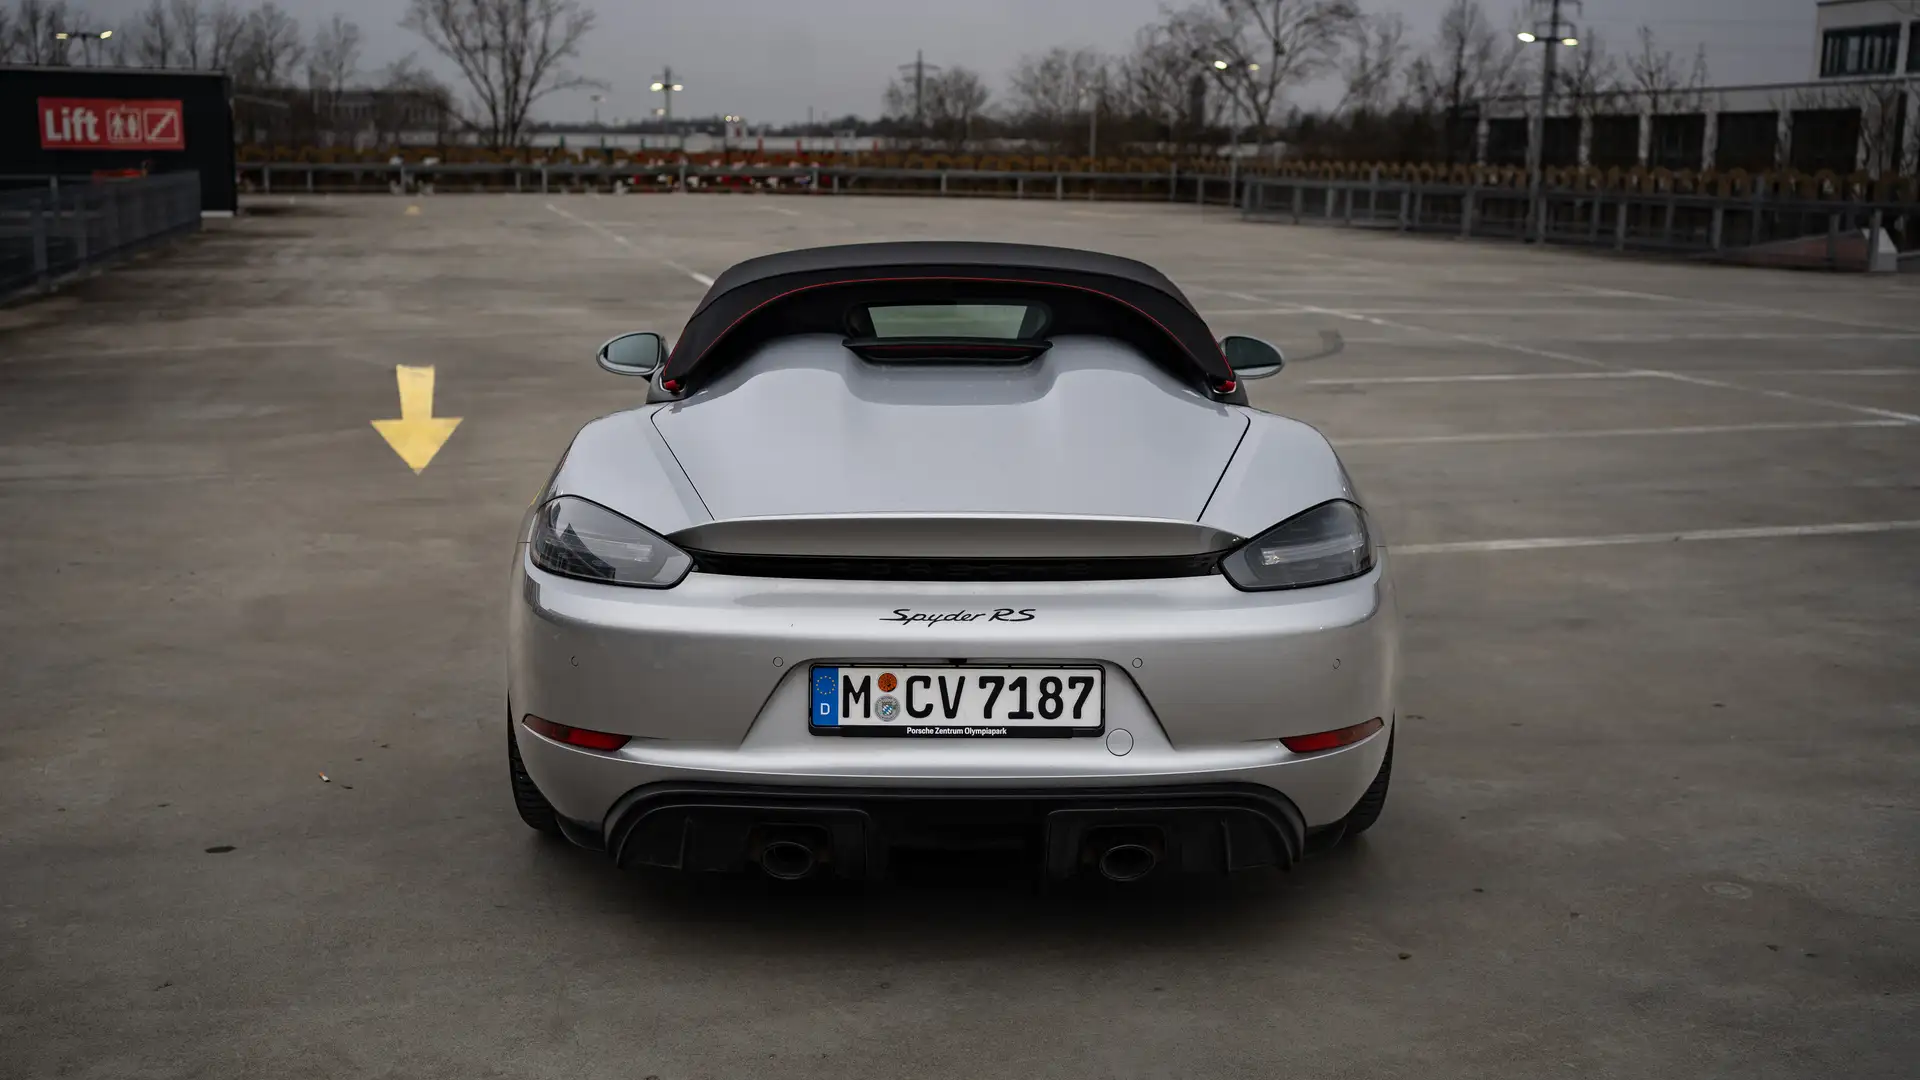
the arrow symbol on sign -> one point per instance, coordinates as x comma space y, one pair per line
418, 434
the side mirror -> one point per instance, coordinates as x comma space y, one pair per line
1252, 358
633, 354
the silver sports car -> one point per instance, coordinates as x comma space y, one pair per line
949, 544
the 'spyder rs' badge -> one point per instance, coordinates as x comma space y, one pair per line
888, 707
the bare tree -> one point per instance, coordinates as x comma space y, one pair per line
9, 36
36, 23
1269, 47
1374, 68
335, 57
269, 48
1156, 80
1469, 64
950, 102
1665, 82
409, 95
332, 63
1591, 76
226, 33
156, 45
509, 51
189, 21
1051, 91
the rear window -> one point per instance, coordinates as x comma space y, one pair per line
993, 321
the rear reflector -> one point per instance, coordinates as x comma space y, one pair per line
1332, 740
573, 736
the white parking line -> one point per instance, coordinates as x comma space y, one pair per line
372, 337
1868, 373
1769, 532
1553, 376
1586, 361
1613, 433
1558, 376
629, 245
1509, 313
1697, 335
1746, 309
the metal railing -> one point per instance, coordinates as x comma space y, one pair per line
1761, 227
50, 232
448, 177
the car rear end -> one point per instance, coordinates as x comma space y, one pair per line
810, 722
907, 570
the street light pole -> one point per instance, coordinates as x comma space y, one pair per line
666, 87
1233, 130
1553, 41
86, 38
1091, 96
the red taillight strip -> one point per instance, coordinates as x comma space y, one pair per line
573, 736
1332, 740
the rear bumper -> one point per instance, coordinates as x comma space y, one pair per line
710, 679
719, 827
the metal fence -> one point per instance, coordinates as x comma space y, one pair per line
51, 231
1765, 228
298, 177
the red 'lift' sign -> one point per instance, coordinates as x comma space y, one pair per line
111, 124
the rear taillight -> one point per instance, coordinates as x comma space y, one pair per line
573, 736
1332, 740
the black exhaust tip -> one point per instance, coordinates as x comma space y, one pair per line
1128, 862
788, 860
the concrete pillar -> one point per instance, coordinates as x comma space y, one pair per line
1783, 139
1586, 139
1646, 137
1710, 139
1480, 141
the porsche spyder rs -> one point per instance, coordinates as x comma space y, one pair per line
945, 544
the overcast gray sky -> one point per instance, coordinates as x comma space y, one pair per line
771, 59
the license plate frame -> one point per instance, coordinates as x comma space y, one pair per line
937, 725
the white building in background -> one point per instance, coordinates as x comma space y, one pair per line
1859, 110
1867, 39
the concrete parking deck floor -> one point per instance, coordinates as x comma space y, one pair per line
1655, 813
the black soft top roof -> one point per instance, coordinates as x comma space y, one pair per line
752, 291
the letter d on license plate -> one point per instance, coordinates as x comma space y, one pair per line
958, 702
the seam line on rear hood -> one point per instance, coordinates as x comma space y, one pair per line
662, 436
1246, 425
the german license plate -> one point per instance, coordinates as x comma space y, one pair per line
958, 702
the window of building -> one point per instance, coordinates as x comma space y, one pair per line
1860, 50
1913, 47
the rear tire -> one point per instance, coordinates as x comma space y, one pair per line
1367, 810
534, 808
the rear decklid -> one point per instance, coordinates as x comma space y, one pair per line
805, 428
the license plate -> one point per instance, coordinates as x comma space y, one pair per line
958, 702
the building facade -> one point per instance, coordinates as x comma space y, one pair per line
1867, 39
1859, 111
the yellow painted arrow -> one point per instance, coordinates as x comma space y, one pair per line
418, 434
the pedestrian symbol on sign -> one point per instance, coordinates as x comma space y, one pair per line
123, 126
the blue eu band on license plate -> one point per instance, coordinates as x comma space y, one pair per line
958, 701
